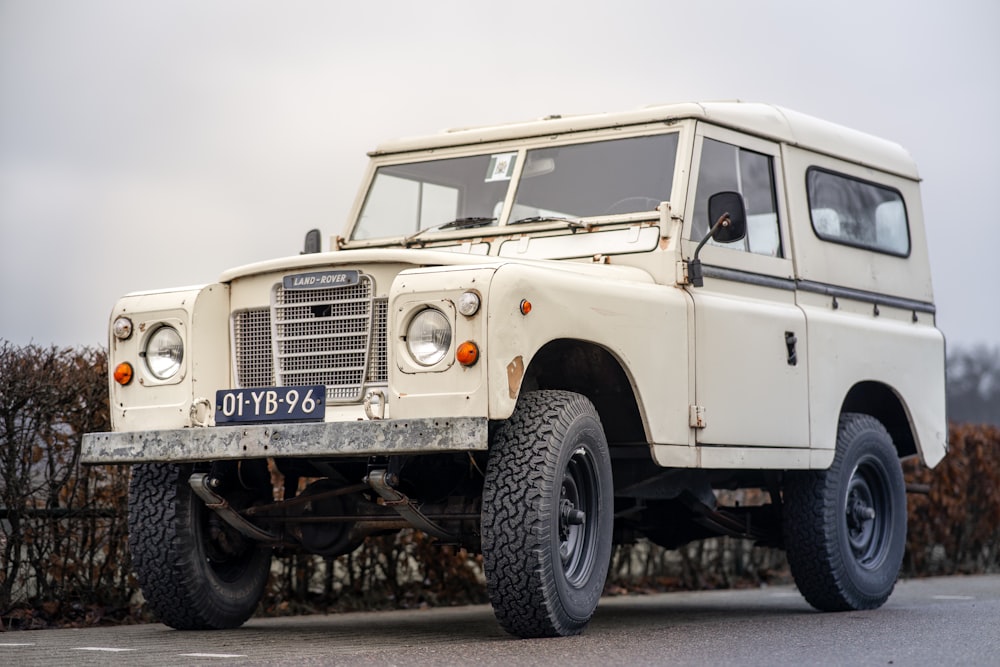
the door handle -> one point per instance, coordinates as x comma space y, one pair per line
790, 341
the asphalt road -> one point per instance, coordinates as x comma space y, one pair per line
945, 621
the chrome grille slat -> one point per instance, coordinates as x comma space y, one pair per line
330, 336
344, 371
324, 321
322, 302
323, 353
336, 336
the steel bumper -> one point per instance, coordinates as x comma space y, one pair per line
354, 438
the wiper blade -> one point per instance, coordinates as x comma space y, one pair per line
458, 223
572, 224
465, 223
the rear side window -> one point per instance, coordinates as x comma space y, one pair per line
858, 213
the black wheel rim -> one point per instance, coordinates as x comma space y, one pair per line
227, 554
578, 506
868, 512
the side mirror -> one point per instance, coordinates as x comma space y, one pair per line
730, 215
313, 244
727, 204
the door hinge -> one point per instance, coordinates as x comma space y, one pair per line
682, 273
696, 416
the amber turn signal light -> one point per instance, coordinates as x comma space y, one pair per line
467, 353
123, 373
525, 306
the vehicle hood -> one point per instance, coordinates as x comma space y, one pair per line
424, 258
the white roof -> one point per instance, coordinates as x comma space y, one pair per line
764, 120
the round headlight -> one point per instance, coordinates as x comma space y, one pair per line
164, 353
428, 337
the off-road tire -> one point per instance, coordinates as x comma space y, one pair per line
845, 527
545, 564
188, 582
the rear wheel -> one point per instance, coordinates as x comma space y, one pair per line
845, 527
195, 571
547, 516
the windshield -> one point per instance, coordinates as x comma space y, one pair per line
406, 198
599, 178
583, 180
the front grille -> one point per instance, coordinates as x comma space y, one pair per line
253, 352
334, 337
378, 364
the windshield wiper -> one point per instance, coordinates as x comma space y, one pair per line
458, 223
464, 223
569, 222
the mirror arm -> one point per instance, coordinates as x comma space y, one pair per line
695, 276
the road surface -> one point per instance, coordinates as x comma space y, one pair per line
944, 621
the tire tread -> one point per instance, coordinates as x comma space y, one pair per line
165, 557
810, 517
523, 456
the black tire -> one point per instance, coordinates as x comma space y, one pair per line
548, 507
194, 571
845, 527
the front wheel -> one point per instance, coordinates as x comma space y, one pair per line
195, 571
547, 515
845, 527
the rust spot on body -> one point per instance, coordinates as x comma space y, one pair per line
515, 373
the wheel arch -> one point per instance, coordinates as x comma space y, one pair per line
592, 370
884, 404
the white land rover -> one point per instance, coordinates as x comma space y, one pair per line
538, 339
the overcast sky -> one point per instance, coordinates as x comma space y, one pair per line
157, 143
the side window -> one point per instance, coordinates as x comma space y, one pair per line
854, 212
727, 167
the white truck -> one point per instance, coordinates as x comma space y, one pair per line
537, 340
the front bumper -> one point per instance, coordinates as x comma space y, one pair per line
325, 439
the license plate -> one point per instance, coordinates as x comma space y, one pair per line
270, 404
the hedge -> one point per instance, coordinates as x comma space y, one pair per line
64, 559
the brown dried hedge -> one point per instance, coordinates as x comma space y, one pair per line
954, 525
62, 529
64, 560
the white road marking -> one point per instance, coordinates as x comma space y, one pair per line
102, 648
212, 655
32, 644
952, 597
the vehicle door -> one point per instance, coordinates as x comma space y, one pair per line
749, 337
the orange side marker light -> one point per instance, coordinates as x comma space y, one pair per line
467, 353
124, 373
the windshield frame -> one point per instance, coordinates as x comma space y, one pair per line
503, 225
